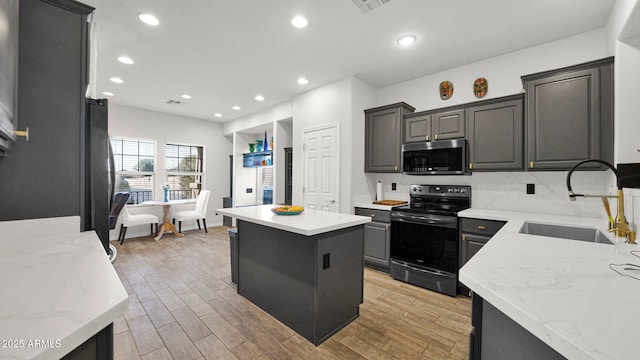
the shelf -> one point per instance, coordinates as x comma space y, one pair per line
258, 159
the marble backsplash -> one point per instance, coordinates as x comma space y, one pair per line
507, 190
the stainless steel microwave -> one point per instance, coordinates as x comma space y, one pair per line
441, 157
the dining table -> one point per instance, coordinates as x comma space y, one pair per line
167, 225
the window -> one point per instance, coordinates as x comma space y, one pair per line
183, 166
134, 162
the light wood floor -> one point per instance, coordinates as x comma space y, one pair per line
182, 306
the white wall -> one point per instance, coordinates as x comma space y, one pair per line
275, 113
283, 138
502, 72
165, 128
329, 104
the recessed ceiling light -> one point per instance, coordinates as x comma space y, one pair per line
117, 80
125, 60
259, 98
406, 40
236, 107
217, 115
185, 96
107, 93
303, 81
149, 19
299, 21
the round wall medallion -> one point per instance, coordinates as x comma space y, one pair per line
480, 87
446, 90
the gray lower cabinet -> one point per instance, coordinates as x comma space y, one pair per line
495, 336
495, 134
383, 137
377, 238
474, 234
429, 126
569, 114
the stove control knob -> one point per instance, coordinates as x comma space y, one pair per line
463, 191
414, 189
450, 190
420, 189
457, 190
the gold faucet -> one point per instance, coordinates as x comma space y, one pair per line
620, 226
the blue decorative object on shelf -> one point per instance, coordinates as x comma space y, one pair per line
266, 143
166, 195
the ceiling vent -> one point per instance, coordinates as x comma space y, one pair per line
367, 5
176, 102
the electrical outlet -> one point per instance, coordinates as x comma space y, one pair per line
326, 261
531, 189
249, 190
393, 186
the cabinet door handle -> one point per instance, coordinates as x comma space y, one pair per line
427, 137
386, 227
530, 164
464, 237
373, 215
395, 167
435, 137
470, 166
481, 227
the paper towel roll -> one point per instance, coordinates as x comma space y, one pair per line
379, 191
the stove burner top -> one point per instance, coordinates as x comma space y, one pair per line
437, 199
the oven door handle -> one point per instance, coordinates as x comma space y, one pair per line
449, 222
432, 272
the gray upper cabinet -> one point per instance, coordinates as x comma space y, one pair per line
495, 134
448, 124
429, 126
383, 137
569, 115
417, 128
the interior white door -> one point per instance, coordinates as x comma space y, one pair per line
321, 165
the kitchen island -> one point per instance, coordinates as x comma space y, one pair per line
551, 298
60, 294
305, 270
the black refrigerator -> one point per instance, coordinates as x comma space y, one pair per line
98, 171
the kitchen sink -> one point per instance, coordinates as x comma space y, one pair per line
565, 232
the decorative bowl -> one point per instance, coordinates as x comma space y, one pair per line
287, 210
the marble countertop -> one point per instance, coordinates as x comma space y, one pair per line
562, 291
60, 288
308, 223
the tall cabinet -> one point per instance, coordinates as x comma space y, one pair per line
44, 177
569, 114
383, 137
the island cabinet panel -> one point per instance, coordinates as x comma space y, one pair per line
495, 336
313, 284
383, 137
569, 116
495, 135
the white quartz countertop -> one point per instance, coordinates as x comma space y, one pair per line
56, 292
562, 291
308, 223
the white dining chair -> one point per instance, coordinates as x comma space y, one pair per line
200, 212
129, 219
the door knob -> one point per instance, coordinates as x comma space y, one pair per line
331, 201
